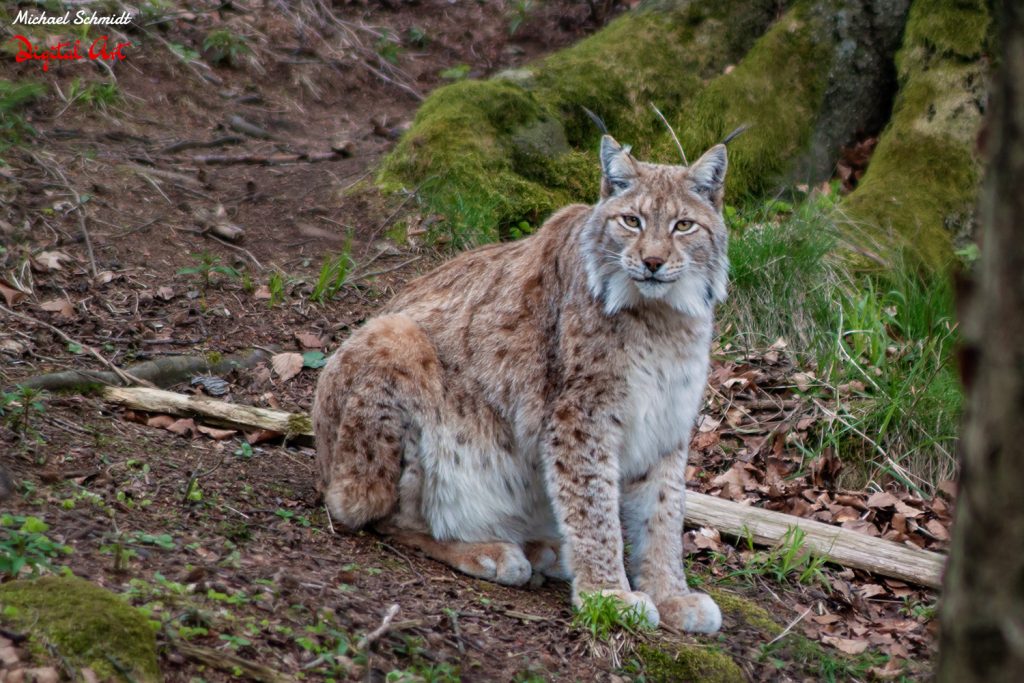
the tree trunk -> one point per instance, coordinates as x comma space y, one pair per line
982, 637
920, 188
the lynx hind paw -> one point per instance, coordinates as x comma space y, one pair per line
640, 601
502, 563
544, 556
693, 612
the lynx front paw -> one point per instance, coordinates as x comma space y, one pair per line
641, 602
695, 612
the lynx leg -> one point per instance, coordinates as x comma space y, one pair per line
369, 400
653, 519
496, 561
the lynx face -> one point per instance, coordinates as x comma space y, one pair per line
658, 233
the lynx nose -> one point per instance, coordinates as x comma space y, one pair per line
653, 263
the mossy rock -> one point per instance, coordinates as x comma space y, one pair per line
88, 626
920, 187
776, 89
745, 613
493, 155
704, 663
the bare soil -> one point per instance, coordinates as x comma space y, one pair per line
266, 576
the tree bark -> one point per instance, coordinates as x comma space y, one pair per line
982, 617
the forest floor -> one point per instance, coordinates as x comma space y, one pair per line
225, 541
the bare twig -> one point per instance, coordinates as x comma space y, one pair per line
330, 524
81, 216
788, 628
201, 144
385, 625
125, 377
383, 271
235, 247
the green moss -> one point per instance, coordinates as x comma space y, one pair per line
491, 155
949, 27
214, 357
87, 625
745, 613
299, 424
704, 663
777, 89
920, 186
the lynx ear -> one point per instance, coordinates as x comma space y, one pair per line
617, 166
707, 175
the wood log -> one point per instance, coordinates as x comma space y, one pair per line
842, 546
766, 527
161, 372
294, 426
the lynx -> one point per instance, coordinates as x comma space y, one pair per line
526, 408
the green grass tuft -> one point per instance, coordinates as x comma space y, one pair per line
602, 615
886, 335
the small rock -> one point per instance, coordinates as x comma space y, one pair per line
46, 674
9, 655
343, 146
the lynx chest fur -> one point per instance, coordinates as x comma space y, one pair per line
526, 407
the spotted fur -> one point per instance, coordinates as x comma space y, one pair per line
526, 406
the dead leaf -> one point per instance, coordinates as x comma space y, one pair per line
870, 590
936, 528
49, 260
825, 619
308, 340
160, 421
182, 427
12, 347
825, 468
850, 646
262, 293
107, 276
802, 380
11, 295
61, 307
165, 293
261, 435
217, 434
704, 440
882, 499
706, 423
286, 365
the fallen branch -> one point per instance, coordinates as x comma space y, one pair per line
766, 527
161, 372
842, 546
125, 377
220, 413
202, 144
231, 663
265, 159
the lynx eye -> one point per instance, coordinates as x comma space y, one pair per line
631, 222
684, 227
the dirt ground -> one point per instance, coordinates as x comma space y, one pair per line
228, 543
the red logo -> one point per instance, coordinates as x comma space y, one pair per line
100, 49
